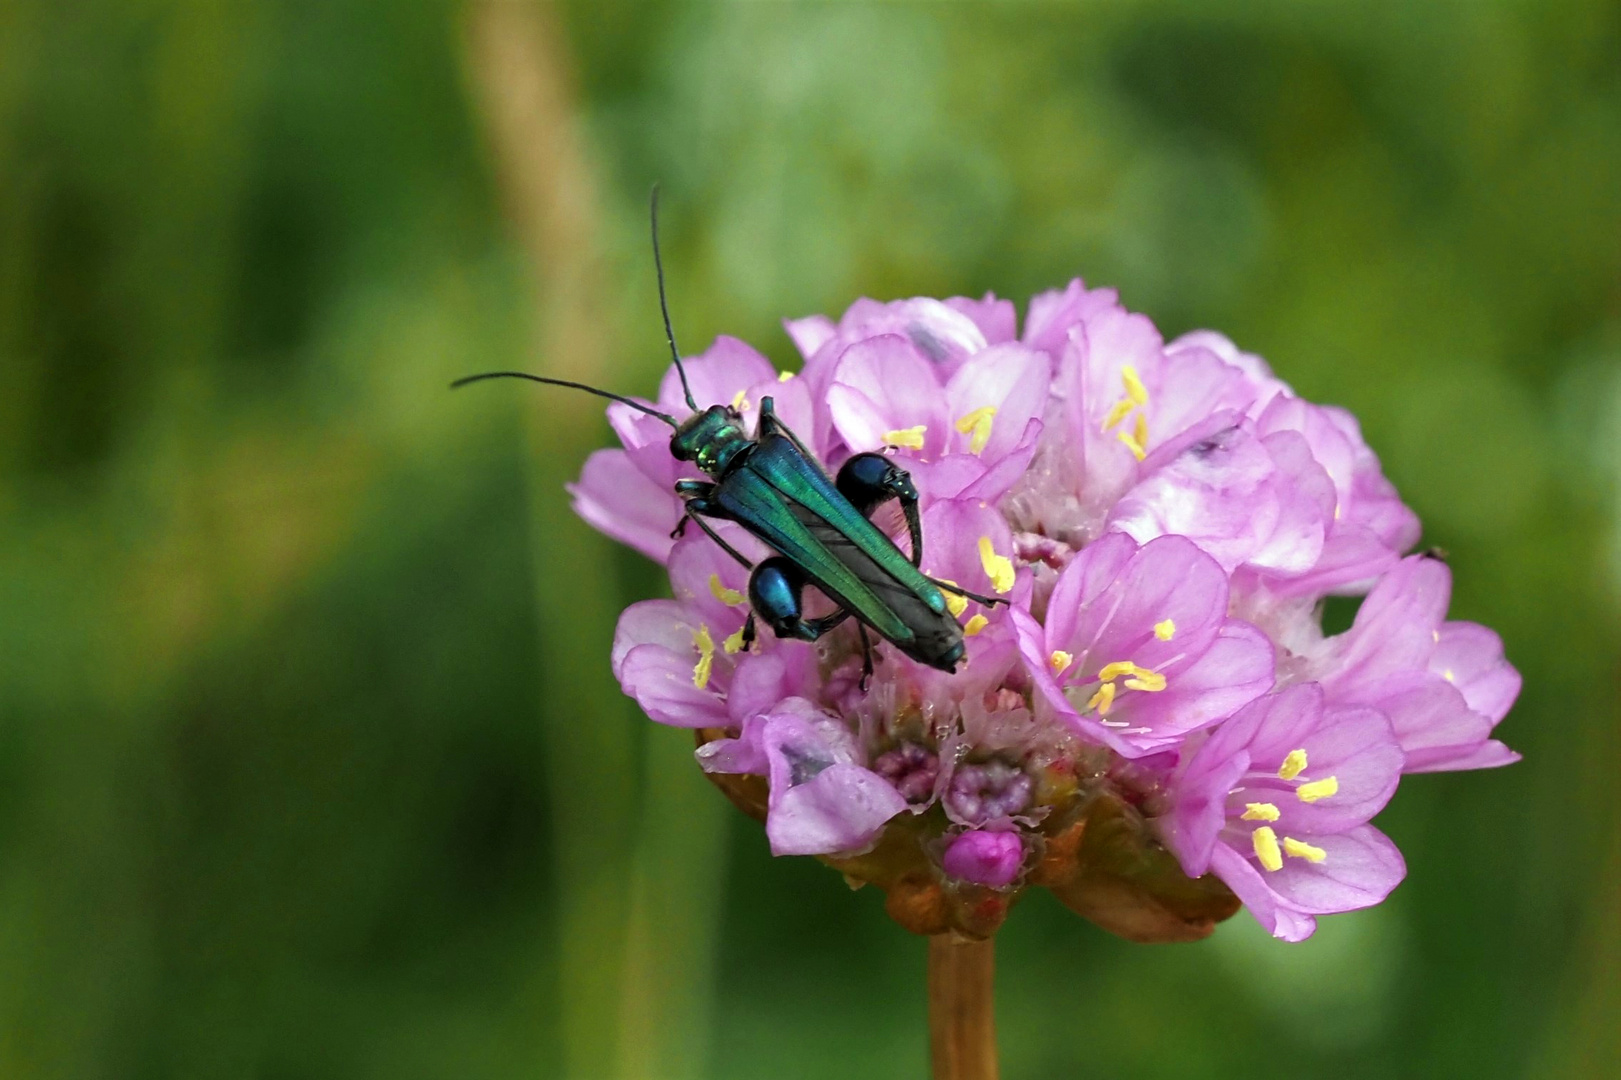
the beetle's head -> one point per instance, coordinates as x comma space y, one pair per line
710, 438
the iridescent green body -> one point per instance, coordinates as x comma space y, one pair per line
774, 488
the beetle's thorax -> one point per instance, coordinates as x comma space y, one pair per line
710, 439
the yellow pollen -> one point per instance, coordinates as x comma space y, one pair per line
1135, 390
727, 596
1302, 850
1139, 431
1103, 699
908, 438
1435, 635
1060, 660
1166, 630
975, 625
1336, 511
956, 603
739, 402
1318, 789
1117, 413
1447, 674
706, 657
1260, 811
1293, 765
1113, 671
1266, 848
1150, 681
785, 376
1133, 445
999, 568
734, 642
979, 422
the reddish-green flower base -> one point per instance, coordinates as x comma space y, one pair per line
1096, 854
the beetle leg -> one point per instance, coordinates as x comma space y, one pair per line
870, 480
866, 658
688, 489
700, 505
749, 629
771, 424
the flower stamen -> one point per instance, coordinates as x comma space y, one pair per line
729, 597
1318, 789
1266, 848
706, 656
978, 422
1301, 850
1293, 765
906, 438
999, 568
1260, 811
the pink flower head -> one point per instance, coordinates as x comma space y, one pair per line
1134, 539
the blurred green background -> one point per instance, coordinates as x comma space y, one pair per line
310, 765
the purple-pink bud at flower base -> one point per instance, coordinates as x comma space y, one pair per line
1153, 724
985, 858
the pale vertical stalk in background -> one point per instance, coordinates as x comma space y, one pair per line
962, 1010
638, 866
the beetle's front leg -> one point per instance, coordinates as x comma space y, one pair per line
688, 490
698, 503
870, 480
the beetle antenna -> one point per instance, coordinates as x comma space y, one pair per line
464, 380
664, 304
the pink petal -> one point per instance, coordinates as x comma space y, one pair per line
1011, 379
882, 385
616, 498
1470, 657
996, 319
715, 375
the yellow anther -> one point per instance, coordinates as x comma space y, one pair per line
1118, 413
727, 596
1260, 811
1150, 681
706, 657
910, 438
978, 422
785, 376
734, 642
956, 602
1060, 660
999, 568
1103, 700
1302, 850
739, 402
1133, 445
1113, 671
1336, 511
975, 625
1293, 765
1318, 789
1266, 848
1135, 390
1435, 636
1139, 432
1447, 675
1166, 630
